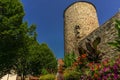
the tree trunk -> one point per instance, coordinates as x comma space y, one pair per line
8, 77
22, 77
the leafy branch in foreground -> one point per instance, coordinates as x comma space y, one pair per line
93, 54
116, 43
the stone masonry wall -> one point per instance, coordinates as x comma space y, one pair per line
108, 33
80, 19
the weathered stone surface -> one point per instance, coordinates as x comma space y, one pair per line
108, 33
82, 14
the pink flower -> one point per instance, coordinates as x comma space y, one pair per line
115, 67
115, 76
105, 77
106, 69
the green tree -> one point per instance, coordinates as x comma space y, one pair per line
19, 49
49, 60
14, 37
41, 57
22, 62
12, 31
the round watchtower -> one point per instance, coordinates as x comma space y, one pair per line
80, 19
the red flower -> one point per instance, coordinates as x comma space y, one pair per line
78, 59
83, 55
75, 63
105, 63
95, 75
90, 64
80, 62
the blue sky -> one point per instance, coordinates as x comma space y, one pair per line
48, 16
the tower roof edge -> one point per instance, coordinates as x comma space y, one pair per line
79, 2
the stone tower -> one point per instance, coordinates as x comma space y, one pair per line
80, 19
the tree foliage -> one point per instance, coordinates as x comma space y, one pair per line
42, 56
12, 33
19, 49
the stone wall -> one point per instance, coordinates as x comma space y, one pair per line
80, 19
108, 33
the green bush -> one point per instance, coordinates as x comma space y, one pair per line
71, 75
44, 71
47, 77
69, 59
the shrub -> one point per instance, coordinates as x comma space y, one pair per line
47, 77
44, 71
112, 70
71, 75
69, 59
107, 69
93, 54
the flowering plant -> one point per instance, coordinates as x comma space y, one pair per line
112, 70
107, 69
